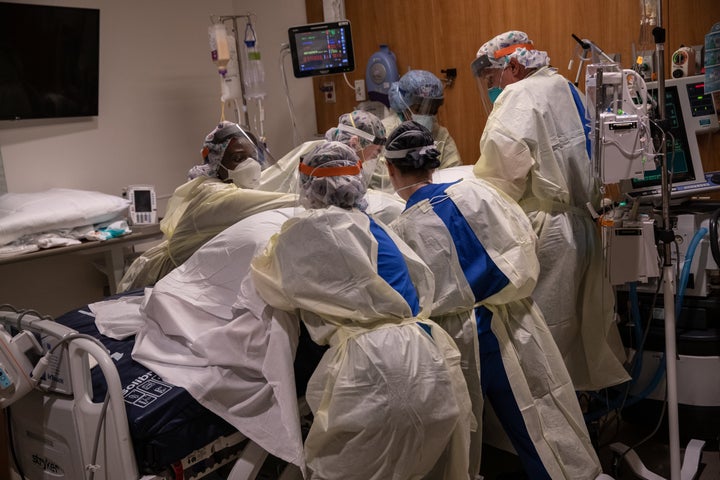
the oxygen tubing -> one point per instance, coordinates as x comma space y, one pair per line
635, 311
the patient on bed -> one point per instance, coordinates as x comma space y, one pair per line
203, 327
220, 192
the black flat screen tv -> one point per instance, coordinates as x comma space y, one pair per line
48, 61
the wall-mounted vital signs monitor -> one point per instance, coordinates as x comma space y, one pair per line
321, 49
143, 204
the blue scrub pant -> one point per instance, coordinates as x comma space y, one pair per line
496, 389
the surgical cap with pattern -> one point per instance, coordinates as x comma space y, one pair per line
413, 88
529, 58
214, 149
345, 191
411, 146
360, 119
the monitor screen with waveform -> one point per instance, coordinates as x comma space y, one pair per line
321, 49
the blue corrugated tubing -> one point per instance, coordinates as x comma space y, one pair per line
686, 269
684, 276
660, 372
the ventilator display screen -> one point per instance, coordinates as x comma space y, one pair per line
701, 103
321, 49
679, 156
686, 115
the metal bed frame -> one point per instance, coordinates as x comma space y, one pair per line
57, 431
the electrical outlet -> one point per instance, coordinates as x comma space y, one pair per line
328, 89
360, 90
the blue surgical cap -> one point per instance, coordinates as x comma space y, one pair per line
415, 88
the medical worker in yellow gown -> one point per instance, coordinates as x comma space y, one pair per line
388, 398
481, 249
534, 148
418, 96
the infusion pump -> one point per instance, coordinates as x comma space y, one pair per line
143, 204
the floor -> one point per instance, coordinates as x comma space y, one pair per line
498, 464
654, 453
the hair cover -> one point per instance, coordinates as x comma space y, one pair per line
214, 146
370, 126
318, 190
412, 146
414, 88
525, 53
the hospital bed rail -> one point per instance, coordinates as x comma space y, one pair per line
54, 426
57, 431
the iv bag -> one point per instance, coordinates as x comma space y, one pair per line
230, 86
254, 74
648, 21
219, 46
253, 70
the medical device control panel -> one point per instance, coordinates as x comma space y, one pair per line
711, 184
143, 204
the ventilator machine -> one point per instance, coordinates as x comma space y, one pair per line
619, 115
644, 151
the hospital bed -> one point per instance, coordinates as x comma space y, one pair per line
97, 414
153, 429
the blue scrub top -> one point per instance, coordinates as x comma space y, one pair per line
585, 122
392, 267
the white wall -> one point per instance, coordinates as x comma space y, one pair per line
159, 96
272, 20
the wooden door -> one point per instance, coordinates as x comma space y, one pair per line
436, 35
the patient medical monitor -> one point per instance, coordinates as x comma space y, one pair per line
321, 49
143, 204
689, 112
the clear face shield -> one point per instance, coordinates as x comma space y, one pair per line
424, 110
421, 106
382, 202
368, 148
239, 164
487, 75
426, 105
262, 155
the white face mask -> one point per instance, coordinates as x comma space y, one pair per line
427, 121
246, 174
368, 166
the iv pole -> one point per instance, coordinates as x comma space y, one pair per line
693, 451
221, 19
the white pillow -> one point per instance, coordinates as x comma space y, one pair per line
54, 209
